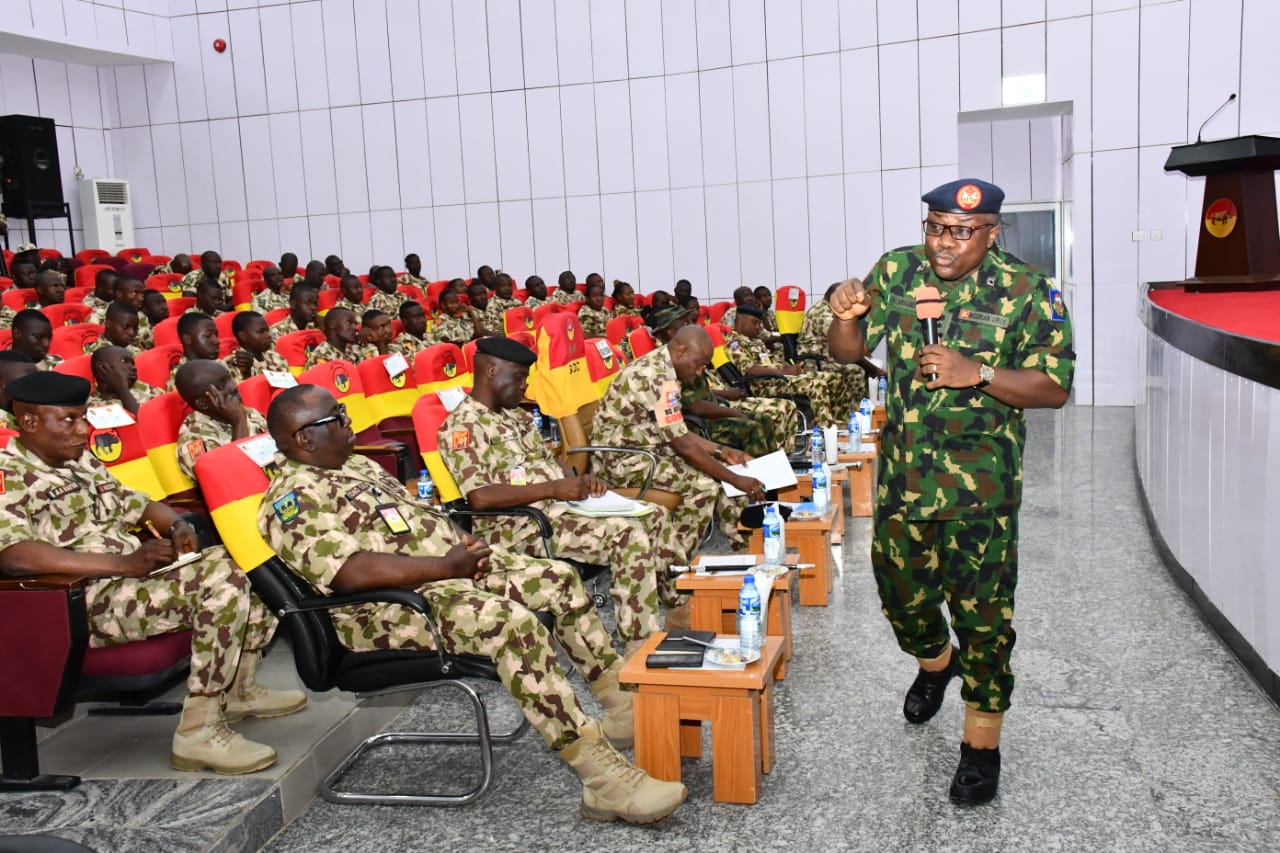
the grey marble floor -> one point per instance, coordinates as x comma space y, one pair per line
1133, 727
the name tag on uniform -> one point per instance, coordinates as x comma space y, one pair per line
667, 410
518, 476
392, 518
983, 318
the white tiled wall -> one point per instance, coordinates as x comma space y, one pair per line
756, 141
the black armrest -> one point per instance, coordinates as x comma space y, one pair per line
532, 513
636, 451
403, 597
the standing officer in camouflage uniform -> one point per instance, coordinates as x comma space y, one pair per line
642, 409
61, 511
499, 460
346, 525
218, 416
950, 482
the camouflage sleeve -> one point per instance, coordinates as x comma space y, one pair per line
1045, 337
310, 534
191, 446
877, 283
15, 525
467, 455
739, 355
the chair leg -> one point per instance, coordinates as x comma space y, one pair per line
482, 737
21, 759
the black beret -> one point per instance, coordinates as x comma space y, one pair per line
967, 195
507, 350
664, 317
750, 311
46, 388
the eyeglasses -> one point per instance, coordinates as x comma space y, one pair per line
958, 232
340, 415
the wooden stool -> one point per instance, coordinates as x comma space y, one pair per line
862, 479
803, 491
714, 605
811, 538
671, 704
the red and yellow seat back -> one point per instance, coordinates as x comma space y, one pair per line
342, 380
84, 276
388, 396
168, 283
73, 341
155, 365
619, 327
233, 484
67, 313
296, 346
603, 363
441, 366
518, 319
717, 332
561, 384
124, 453
80, 365
428, 413
789, 304
160, 418
642, 342
257, 393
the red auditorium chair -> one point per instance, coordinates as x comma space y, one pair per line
517, 319
296, 346
441, 366
641, 341
84, 276
77, 294
257, 393
155, 365
168, 283
342, 380
165, 333
619, 327
20, 298
67, 313
74, 340
78, 365
134, 255
90, 256
717, 310
179, 305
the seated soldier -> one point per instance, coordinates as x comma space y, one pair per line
132, 292
314, 274
830, 400
65, 513
479, 299
624, 300
256, 352
769, 318
413, 274
304, 304
12, 366
218, 415
593, 278
115, 379
486, 276
211, 270
375, 333
346, 525
333, 265
24, 276
288, 271
104, 283
566, 289
499, 460
119, 328
51, 289
352, 294
179, 263
456, 322
502, 300
457, 285
536, 289
813, 339
741, 296
659, 300
641, 408
32, 334
154, 310
199, 336
386, 297
342, 340
592, 315
414, 338
275, 294
208, 299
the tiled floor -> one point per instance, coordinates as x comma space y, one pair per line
1133, 727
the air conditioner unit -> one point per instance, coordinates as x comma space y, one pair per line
108, 219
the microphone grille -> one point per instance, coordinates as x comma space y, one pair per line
928, 303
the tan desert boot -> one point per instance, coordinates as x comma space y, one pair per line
248, 698
203, 740
613, 787
679, 618
617, 723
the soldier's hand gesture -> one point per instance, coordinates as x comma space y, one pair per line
153, 554
469, 558
850, 300
952, 368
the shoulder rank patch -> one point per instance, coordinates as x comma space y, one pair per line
1057, 307
287, 507
2, 482
460, 440
196, 448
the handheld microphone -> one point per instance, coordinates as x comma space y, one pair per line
928, 310
1214, 115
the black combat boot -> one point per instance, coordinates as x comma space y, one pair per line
925, 695
977, 777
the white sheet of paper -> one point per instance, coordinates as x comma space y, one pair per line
108, 417
280, 378
774, 470
395, 365
610, 501
451, 397
262, 450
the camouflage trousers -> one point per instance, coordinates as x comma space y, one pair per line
636, 550
493, 617
773, 410
970, 564
210, 597
852, 380
756, 436
826, 396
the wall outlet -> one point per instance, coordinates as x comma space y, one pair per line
1136, 236
1157, 234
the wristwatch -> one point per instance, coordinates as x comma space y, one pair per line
985, 374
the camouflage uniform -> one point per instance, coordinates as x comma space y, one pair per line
813, 340
7, 316
80, 506
730, 316
146, 337
354, 353
628, 417
822, 389
593, 321
483, 448
388, 302
455, 329
619, 311
192, 280
756, 436
285, 326
532, 302
102, 343
409, 346
950, 479
317, 518
268, 300
269, 360
97, 307
566, 298
412, 280
495, 310
201, 433
357, 308
142, 392
49, 362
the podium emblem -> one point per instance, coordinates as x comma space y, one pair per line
1220, 218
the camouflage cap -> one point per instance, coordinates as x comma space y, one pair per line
664, 317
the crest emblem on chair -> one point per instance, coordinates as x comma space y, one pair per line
342, 382
450, 368
107, 446
795, 298
528, 321
398, 380
175, 286
568, 332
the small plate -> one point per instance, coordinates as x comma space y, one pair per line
805, 515
732, 657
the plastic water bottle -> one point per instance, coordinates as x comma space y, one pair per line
864, 413
817, 447
749, 615
426, 488
537, 420
772, 537
821, 487
855, 432
882, 390
553, 434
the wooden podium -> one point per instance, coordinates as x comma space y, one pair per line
1239, 246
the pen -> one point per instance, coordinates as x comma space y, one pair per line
151, 528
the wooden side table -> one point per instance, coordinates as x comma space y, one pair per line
811, 540
803, 491
862, 479
671, 705
714, 607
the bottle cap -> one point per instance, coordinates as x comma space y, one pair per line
422, 472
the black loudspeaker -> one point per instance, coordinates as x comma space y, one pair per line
32, 178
